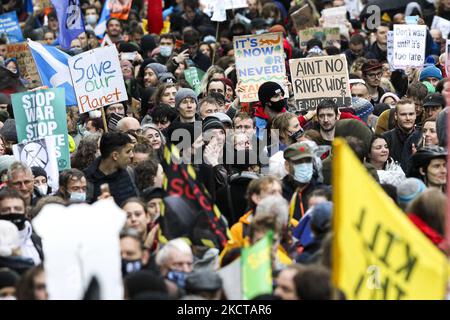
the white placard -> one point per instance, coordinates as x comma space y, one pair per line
97, 78
336, 17
409, 46
441, 24
78, 245
40, 153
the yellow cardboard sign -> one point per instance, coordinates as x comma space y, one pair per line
377, 251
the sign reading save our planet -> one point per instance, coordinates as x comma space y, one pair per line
97, 78
259, 58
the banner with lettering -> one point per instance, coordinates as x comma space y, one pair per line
326, 35
42, 113
97, 78
10, 28
378, 253
259, 58
319, 78
409, 46
25, 62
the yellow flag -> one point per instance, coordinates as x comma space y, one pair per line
377, 252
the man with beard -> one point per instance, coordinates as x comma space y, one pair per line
328, 114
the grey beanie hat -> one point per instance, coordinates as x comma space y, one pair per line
185, 93
157, 68
408, 190
4, 99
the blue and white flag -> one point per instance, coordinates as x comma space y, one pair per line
53, 68
70, 21
28, 6
100, 28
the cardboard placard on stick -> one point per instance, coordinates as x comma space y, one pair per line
25, 62
327, 35
304, 18
319, 78
409, 46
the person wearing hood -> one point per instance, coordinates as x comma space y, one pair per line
13, 209
41, 180
151, 74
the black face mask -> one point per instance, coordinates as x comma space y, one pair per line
17, 218
278, 106
129, 266
296, 135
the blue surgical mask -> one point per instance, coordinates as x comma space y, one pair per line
77, 196
179, 277
165, 51
303, 172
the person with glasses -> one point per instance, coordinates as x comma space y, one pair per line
372, 71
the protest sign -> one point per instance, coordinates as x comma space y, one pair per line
319, 78
194, 77
42, 113
336, 17
327, 35
303, 18
354, 7
412, 19
390, 50
259, 58
441, 24
10, 28
409, 46
257, 268
25, 62
79, 245
97, 78
40, 153
378, 253
235, 4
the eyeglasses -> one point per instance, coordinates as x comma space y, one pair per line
19, 183
374, 75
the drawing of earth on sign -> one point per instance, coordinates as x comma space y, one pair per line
34, 154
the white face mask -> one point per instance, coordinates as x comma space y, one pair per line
165, 51
94, 114
91, 19
303, 172
77, 197
43, 188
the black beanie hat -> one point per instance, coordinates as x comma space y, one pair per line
267, 90
38, 172
212, 123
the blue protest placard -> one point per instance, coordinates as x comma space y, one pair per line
10, 28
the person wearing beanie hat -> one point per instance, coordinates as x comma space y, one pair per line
41, 180
431, 74
389, 98
362, 107
167, 77
148, 43
186, 104
372, 71
152, 72
205, 283
213, 139
408, 190
433, 104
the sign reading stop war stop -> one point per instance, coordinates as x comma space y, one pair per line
319, 78
97, 78
41, 114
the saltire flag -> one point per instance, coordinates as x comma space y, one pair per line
70, 21
100, 28
181, 180
53, 68
256, 266
378, 253
155, 16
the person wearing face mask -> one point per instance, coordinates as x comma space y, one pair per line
166, 45
90, 17
13, 209
41, 180
72, 186
301, 179
133, 254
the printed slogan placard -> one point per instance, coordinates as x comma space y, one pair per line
97, 78
259, 58
25, 62
40, 114
327, 35
319, 78
409, 46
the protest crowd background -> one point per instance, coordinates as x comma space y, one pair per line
239, 149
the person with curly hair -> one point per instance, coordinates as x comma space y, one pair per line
87, 151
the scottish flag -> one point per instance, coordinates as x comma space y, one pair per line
53, 69
100, 28
70, 21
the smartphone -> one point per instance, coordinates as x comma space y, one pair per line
104, 188
130, 56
